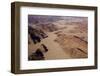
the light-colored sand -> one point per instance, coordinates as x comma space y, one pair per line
55, 50
66, 47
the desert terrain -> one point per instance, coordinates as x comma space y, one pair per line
63, 37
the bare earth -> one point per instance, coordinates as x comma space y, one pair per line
66, 43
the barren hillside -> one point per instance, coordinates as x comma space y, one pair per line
65, 38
